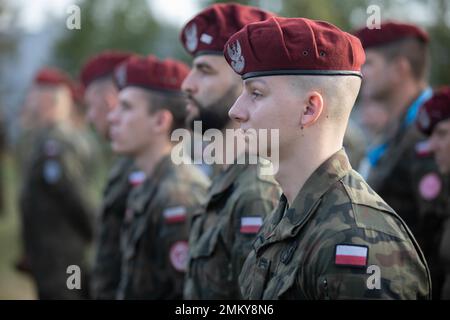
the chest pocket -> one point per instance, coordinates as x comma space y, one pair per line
115, 193
204, 244
259, 279
134, 230
209, 263
285, 272
131, 237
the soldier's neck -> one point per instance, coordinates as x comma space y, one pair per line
149, 159
298, 165
399, 101
229, 151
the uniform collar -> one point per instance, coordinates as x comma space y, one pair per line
308, 198
224, 180
142, 194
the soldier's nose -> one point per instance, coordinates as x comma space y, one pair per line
112, 116
188, 85
237, 112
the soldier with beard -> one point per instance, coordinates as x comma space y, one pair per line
101, 97
240, 197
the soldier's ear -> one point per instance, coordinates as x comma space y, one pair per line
312, 109
163, 121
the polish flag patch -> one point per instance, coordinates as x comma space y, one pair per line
136, 178
250, 224
175, 214
423, 148
351, 255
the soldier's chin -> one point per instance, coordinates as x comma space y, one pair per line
119, 148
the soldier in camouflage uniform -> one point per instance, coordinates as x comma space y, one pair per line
400, 168
332, 236
101, 97
434, 121
154, 238
57, 209
240, 196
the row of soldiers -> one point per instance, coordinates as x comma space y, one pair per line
315, 230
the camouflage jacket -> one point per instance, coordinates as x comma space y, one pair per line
106, 271
444, 247
57, 211
154, 238
407, 178
338, 240
221, 234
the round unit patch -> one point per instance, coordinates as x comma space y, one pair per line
430, 186
179, 255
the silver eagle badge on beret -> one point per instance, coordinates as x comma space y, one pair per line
191, 37
234, 51
121, 76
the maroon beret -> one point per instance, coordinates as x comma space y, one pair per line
390, 32
102, 65
151, 73
293, 46
436, 109
209, 30
56, 77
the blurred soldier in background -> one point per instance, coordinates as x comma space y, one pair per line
96, 170
55, 203
373, 118
2, 153
164, 194
434, 121
240, 197
354, 143
401, 168
101, 97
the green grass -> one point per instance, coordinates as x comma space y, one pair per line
13, 284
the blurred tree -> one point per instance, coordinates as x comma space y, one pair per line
8, 45
115, 24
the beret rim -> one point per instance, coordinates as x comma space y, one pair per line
286, 72
173, 92
208, 52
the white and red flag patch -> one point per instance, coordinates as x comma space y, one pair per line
423, 148
136, 178
251, 224
351, 255
175, 214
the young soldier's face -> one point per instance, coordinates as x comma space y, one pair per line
98, 96
268, 103
131, 123
377, 74
440, 145
211, 87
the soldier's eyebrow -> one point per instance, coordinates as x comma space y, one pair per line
203, 66
250, 82
125, 103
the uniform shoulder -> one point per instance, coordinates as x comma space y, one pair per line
254, 175
183, 179
252, 184
370, 211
